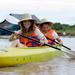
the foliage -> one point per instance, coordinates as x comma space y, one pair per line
68, 29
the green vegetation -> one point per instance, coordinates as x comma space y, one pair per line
60, 28
68, 29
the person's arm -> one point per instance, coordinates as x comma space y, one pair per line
41, 35
56, 37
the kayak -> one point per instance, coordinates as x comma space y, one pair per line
16, 56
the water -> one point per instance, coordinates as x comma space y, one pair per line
57, 66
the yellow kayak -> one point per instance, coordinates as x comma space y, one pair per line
16, 56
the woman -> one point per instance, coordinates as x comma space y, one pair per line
45, 27
29, 29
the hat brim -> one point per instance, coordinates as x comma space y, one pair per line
26, 20
50, 23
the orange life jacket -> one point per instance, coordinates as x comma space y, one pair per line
28, 42
49, 34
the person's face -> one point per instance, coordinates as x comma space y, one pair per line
26, 24
45, 28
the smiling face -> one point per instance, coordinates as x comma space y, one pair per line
45, 28
27, 24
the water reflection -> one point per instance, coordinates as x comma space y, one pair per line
58, 66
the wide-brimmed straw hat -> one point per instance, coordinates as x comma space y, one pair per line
27, 17
46, 21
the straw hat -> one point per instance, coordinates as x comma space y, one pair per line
46, 21
27, 17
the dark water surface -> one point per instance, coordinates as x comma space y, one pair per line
57, 66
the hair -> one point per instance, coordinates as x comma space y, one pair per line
31, 28
41, 25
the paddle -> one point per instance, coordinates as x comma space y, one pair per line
30, 38
70, 52
39, 42
58, 43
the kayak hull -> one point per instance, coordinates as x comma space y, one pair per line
16, 56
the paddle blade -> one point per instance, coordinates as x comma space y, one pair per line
69, 53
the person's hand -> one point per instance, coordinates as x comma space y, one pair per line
60, 44
42, 42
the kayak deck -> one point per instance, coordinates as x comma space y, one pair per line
16, 56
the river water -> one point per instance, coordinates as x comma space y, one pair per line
57, 66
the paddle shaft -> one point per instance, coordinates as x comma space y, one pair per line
58, 43
31, 39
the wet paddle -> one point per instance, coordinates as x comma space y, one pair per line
58, 43
68, 53
30, 38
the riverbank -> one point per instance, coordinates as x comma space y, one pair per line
69, 30
4, 37
66, 33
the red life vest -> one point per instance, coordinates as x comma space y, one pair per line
28, 42
49, 34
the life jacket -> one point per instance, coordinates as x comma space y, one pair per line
28, 42
49, 34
